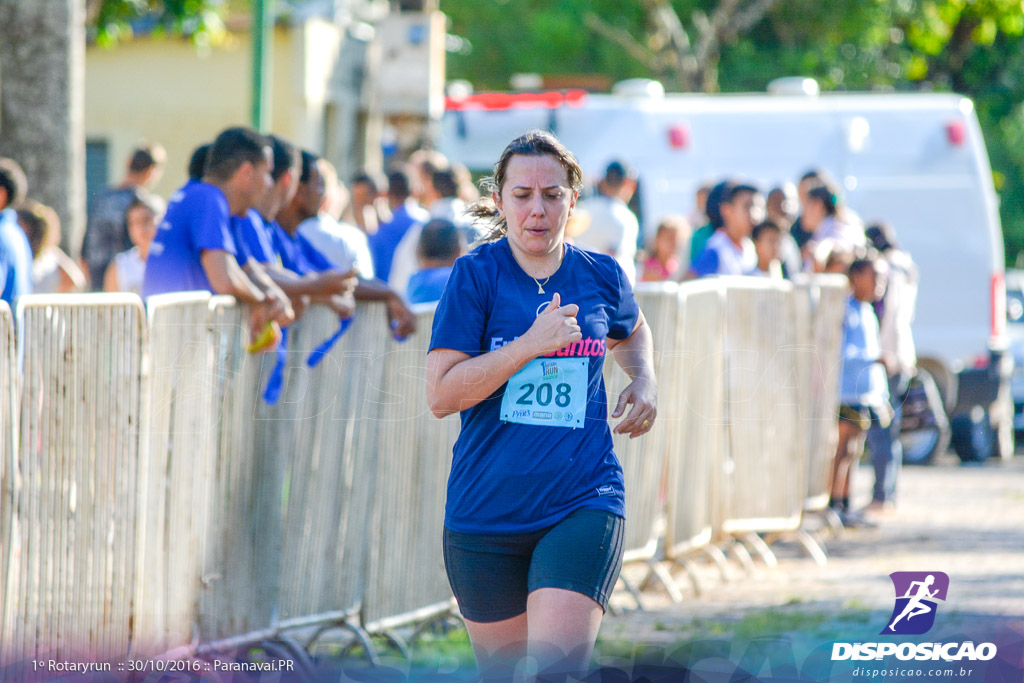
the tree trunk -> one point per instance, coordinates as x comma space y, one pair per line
42, 83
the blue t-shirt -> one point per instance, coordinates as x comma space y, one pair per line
863, 379
15, 258
297, 254
510, 478
721, 256
253, 238
197, 219
384, 242
427, 285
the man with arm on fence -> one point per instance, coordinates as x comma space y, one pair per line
297, 251
304, 279
194, 248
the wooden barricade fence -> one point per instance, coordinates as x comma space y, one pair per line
8, 464
160, 502
766, 464
71, 566
697, 388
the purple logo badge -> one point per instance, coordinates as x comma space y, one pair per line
917, 595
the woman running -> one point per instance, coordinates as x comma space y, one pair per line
534, 516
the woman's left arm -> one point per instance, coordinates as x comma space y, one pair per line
635, 355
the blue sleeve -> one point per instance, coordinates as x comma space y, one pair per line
461, 316
242, 251
252, 240
316, 258
413, 291
624, 317
707, 264
279, 240
5, 267
210, 224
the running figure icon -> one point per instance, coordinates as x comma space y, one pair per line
915, 606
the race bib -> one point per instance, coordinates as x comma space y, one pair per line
551, 392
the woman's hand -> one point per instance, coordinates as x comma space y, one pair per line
555, 328
642, 394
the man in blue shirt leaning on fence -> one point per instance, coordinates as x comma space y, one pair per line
299, 255
15, 252
194, 248
309, 280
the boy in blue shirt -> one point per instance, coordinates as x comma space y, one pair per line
864, 392
405, 213
440, 244
15, 252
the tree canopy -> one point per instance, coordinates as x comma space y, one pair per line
973, 47
112, 19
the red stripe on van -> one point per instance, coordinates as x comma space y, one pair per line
497, 101
998, 327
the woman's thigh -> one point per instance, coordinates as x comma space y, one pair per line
488, 574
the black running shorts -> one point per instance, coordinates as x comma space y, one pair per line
492, 575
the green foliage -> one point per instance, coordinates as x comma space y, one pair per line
973, 47
538, 36
198, 19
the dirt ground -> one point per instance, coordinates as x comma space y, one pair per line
966, 521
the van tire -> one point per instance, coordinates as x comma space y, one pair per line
921, 446
975, 439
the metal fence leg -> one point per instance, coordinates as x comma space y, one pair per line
691, 573
634, 591
743, 557
399, 643
362, 638
658, 570
813, 547
718, 557
285, 648
442, 618
832, 521
761, 548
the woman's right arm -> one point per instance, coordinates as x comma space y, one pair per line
457, 381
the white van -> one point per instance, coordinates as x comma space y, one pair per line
915, 160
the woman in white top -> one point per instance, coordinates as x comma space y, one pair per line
126, 272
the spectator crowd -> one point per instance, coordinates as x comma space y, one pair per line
272, 226
793, 230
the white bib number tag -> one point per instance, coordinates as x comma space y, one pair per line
551, 392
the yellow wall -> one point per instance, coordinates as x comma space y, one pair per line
165, 90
